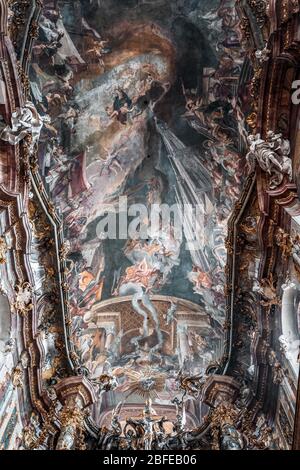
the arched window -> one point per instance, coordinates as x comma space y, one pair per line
290, 334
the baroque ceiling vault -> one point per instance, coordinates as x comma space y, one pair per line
149, 225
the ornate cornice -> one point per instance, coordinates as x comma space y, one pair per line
16, 176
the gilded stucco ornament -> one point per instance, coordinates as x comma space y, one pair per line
23, 304
283, 240
252, 120
32, 432
3, 250
17, 376
29, 438
38, 438
267, 289
259, 8
18, 371
257, 432
64, 250
191, 385
72, 426
279, 373
262, 55
223, 428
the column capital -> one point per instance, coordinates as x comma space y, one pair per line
76, 388
220, 389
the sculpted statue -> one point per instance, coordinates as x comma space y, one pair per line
25, 121
231, 438
109, 439
147, 426
272, 155
129, 439
262, 55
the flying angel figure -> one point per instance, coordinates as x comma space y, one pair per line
170, 315
111, 162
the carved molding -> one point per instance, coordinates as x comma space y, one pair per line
271, 61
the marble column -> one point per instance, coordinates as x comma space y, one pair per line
289, 312
110, 336
220, 393
290, 335
183, 345
67, 437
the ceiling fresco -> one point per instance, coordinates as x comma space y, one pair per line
149, 225
143, 110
